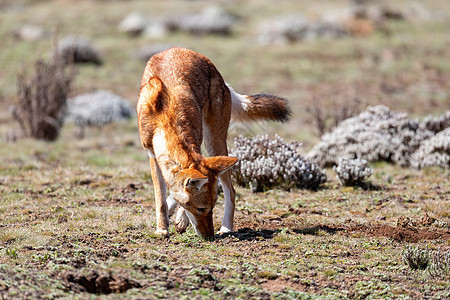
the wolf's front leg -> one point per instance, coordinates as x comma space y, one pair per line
162, 211
229, 195
181, 220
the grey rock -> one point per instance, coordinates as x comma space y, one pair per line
78, 49
97, 109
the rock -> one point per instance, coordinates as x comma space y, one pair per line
146, 52
78, 49
156, 29
292, 28
134, 24
31, 33
212, 20
97, 109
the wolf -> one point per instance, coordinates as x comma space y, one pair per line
184, 101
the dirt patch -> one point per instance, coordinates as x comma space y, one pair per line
98, 283
279, 285
406, 230
401, 234
185, 278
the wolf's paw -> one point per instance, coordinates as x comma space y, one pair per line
171, 204
162, 233
181, 221
224, 229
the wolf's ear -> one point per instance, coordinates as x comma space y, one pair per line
192, 178
220, 163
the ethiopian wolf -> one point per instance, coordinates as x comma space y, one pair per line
183, 99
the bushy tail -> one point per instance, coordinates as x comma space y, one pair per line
258, 107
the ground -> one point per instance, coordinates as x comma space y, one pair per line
77, 216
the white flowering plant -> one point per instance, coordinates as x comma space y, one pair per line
264, 163
353, 172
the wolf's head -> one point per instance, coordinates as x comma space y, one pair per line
196, 192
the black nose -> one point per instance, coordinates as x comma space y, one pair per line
209, 238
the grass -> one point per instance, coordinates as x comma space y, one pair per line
77, 206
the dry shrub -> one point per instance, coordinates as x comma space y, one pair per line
42, 98
325, 120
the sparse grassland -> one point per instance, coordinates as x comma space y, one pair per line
79, 213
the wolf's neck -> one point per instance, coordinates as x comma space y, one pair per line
172, 156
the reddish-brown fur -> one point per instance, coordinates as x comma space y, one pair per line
183, 99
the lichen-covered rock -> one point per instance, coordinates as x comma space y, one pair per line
377, 134
264, 163
78, 49
353, 172
97, 109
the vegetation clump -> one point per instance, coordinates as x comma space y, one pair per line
43, 98
353, 172
433, 152
440, 266
380, 134
264, 163
436, 262
416, 258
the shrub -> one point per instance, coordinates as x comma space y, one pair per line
440, 264
264, 163
42, 98
436, 262
327, 119
377, 134
416, 258
433, 152
353, 172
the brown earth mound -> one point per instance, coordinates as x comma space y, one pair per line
98, 283
402, 234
